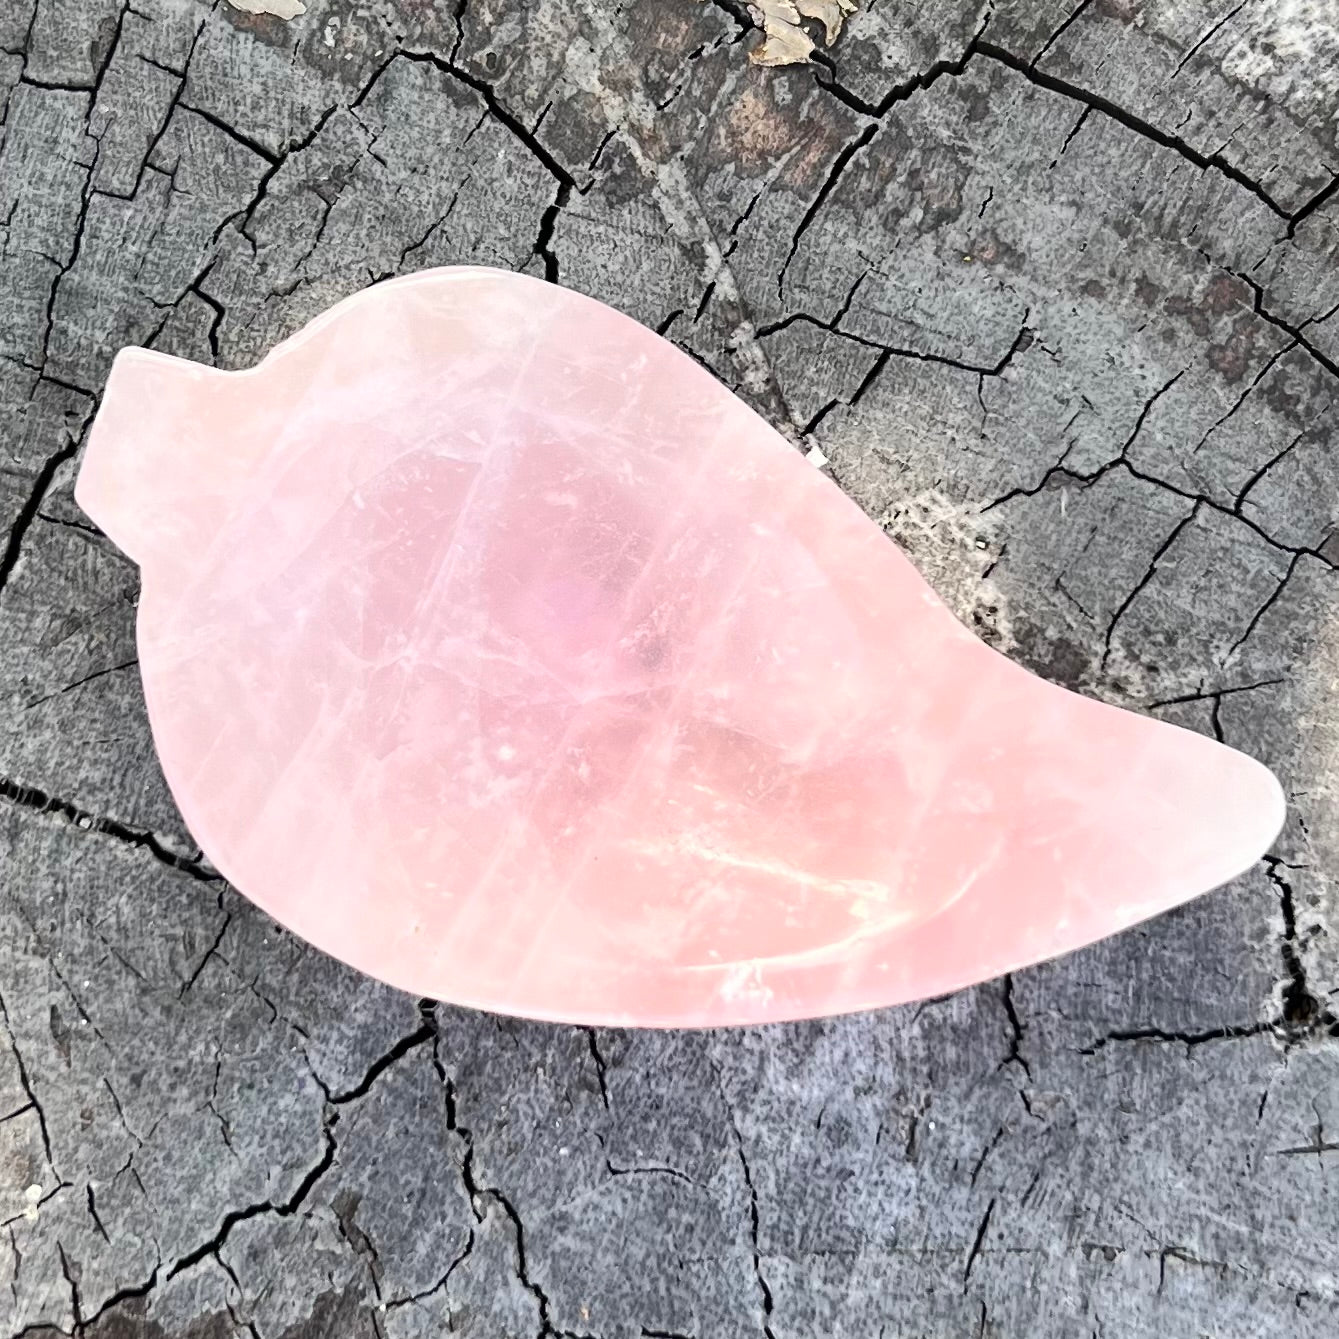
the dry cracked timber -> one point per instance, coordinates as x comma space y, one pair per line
1055, 287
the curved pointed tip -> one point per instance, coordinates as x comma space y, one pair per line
1213, 813
1255, 808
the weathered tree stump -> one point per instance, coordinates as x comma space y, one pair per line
1053, 285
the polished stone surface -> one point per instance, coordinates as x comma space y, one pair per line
494, 647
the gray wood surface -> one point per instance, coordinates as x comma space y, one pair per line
1054, 286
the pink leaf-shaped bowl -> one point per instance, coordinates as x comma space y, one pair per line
495, 648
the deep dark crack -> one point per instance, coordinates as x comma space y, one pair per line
982, 1228
25, 1082
30, 797
1070, 18
1300, 1006
421, 1036
293, 1203
1205, 38
1187, 1039
764, 1290
1143, 581
829, 184
1146, 129
1016, 1028
601, 1069
9, 556
80, 682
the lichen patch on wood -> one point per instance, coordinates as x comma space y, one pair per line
280, 9
786, 36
